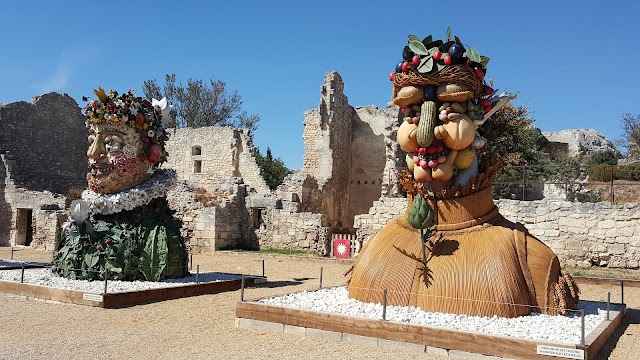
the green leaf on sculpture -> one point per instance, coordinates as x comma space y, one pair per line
484, 61
417, 47
448, 33
445, 47
473, 55
427, 40
426, 65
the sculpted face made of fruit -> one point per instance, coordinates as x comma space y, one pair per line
116, 159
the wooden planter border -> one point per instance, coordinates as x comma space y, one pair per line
123, 299
440, 338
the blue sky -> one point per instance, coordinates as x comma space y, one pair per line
574, 63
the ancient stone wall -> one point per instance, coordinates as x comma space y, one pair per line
204, 156
44, 143
579, 141
584, 234
290, 230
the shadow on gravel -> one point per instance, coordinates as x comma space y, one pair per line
632, 317
276, 284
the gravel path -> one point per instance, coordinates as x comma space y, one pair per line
203, 327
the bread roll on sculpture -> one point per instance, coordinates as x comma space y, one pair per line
452, 251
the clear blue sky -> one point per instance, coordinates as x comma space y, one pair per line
576, 64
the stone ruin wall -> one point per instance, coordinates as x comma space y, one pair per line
581, 234
42, 153
223, 152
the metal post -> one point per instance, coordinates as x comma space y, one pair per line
321, 277
191, 263
613, 198
582, 342
262, 267
12, 253
242, 289
608, 303
622, 292
197, 272
105, 279
384, 304
524, 172
22, 274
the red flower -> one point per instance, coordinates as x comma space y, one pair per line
154, 153
111, 107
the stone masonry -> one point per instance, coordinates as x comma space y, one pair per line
583, 234
42, 154
204, 156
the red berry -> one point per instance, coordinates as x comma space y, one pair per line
447, 59
479, 73
437, 55
486, 108
403, 109
423, 164
99, 247
431, 150
442, 159
416, 160
432, 163
488, 90
108, 241
484, 102
405, 66
422, 151
449, 110
416, 60
391, 76
439, 148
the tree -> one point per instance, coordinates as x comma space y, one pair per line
630, 137
514, 141
605, 157
272, 170
198, 104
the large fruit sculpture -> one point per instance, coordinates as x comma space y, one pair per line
453, 251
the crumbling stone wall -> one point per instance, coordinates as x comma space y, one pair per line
42, 153
346, 153
284, 229
584, 234
204, 156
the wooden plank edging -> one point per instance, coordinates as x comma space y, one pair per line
423, 335
121, 299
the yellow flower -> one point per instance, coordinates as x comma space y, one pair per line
146, 126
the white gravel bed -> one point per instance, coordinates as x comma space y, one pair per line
46, 278
537, 327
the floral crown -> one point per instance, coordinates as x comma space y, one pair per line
139, 114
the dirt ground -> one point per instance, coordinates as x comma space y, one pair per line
203, 327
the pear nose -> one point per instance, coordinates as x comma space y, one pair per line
96, 149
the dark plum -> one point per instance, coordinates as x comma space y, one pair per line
456, 51
407, 54
430, 93
399, 66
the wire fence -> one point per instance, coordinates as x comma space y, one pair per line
612, 183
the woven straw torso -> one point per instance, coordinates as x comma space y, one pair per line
484, 265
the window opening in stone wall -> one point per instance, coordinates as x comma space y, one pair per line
24, 225
197, 166
257, 218
196, 150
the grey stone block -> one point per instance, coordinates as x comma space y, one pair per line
296, 330
268, 326
400, 345
359, 339
324, 334
437, 351
245, 323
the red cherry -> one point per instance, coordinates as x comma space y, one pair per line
484, 102
449, 110
447, 59
403, 109
432, 163
108, 241
486, 108
391, 76
439, 148
99, 247
422, 151
431, 150
416, 159
479, 73
437, 55
405, 66
488, 90
442, 159
423, 164
416, 60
